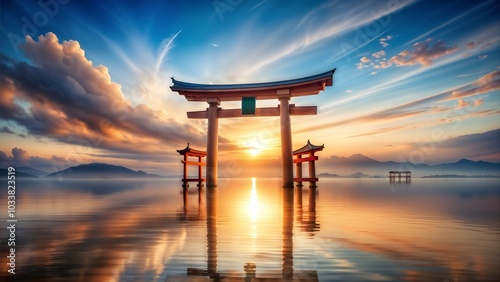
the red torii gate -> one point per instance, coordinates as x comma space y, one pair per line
309, 150
214, 94
190, 152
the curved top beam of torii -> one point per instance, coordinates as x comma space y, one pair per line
310, 85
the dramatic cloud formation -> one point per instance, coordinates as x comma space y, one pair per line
65, 98
424, 53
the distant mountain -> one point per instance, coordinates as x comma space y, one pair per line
358, 162
99, 170
31, 171
359, 175
326, 175
4, 173
459, 176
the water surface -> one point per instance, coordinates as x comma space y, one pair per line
345, 230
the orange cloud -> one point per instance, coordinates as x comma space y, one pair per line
365, 60
487, 83
424, 53
462, 104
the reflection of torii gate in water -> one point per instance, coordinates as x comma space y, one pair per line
287, 273
248, 94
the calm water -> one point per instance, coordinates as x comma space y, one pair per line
345, 230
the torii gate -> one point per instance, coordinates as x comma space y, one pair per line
214, 94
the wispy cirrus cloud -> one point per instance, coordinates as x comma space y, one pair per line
487, 83
423, 106
306, 37
454, 20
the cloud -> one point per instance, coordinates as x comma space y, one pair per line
462, 104
21, 158
362, 63
489, 82
5, 129
310, 31
424, 53
379, 54
383, 65
365, 60
66, 98
482, 57
456, 21
383, 40
473, 145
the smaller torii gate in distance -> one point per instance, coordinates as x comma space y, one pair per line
190, 152
214, 94
308, 150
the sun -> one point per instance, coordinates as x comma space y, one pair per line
254, 147
253, 151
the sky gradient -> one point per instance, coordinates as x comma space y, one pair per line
88, 81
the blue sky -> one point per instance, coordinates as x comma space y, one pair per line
415, 80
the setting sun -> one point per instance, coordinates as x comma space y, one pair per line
253, 151
254, 147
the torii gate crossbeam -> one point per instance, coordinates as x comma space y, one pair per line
214, 94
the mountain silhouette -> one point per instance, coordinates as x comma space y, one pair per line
5, 172
366, 165
31, 171
99, 170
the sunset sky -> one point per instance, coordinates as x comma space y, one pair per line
88, 81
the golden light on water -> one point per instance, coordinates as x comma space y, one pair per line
253, 204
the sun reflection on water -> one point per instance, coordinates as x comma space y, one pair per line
253, 204
254, 207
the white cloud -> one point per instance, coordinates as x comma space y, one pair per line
383, 40
379, 54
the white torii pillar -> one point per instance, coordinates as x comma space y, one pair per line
212, 142
286, 138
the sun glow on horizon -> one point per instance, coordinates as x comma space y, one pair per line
253, 151
254, 147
